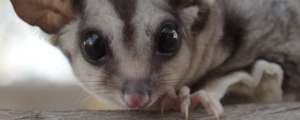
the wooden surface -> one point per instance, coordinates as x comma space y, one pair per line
288, 111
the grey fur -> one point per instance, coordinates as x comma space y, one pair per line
270, 30
234, 34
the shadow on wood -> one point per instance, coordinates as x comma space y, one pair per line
285, 111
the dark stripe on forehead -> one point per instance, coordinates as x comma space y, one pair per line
126, 10
78, 6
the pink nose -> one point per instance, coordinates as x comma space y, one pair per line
136, 101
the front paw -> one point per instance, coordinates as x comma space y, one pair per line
211, 104
184, 102
201, 98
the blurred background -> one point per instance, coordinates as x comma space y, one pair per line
34, 74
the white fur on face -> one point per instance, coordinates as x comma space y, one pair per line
132, 63
99, 15
150, 15
146, 20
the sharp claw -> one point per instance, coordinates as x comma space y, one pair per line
185, 109
162, 109
185, 101
216, 114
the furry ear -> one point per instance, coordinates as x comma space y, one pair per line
194, 13
49, 15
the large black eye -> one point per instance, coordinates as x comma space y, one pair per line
93, 47
168, 39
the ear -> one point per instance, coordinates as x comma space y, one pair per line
49, 15
195, 14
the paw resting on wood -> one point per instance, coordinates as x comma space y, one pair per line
263, 84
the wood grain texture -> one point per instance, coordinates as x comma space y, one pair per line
286, 111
